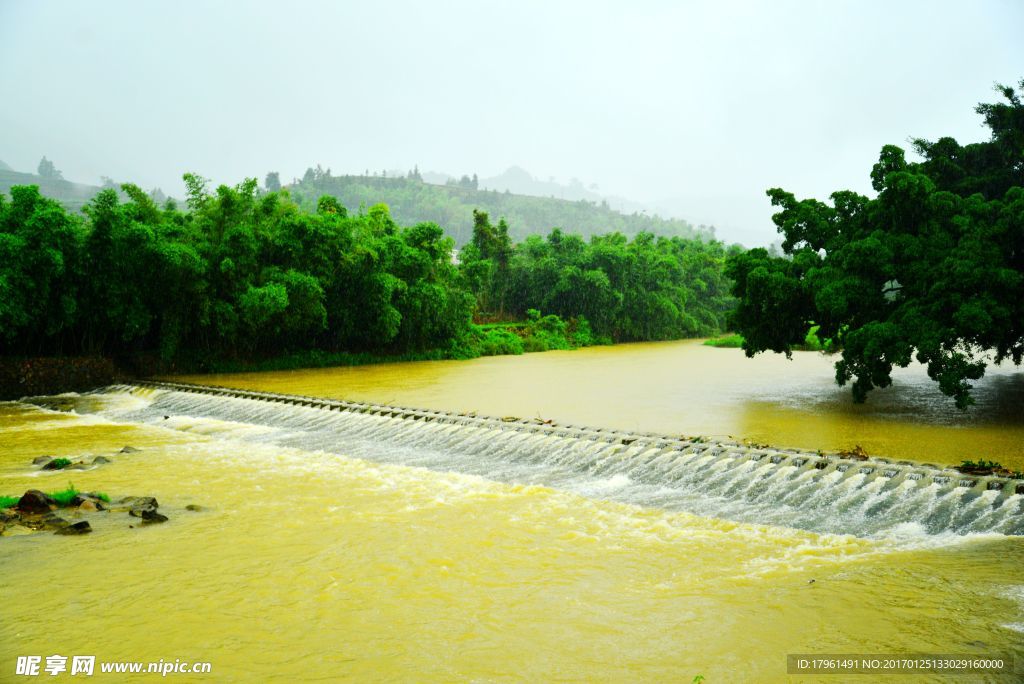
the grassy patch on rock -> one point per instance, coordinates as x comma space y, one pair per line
63, 497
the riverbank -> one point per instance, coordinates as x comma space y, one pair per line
21, 376
33, 376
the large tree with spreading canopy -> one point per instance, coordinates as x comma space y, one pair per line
930, 268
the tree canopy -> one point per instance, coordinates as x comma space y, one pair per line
647, 288
451, 206
930, 268
240, 273
46, 169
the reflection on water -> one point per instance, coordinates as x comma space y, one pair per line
684, 387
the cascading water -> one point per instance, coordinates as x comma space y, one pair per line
758, 485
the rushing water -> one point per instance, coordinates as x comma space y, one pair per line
339, 545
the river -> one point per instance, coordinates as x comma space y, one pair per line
685, 387
326, 551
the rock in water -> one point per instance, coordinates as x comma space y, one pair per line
47, 521
41, 460
128, 450
140, 502
88, 501
56, 464
150, 516
77, 528
99, 460
35, 501
195, 508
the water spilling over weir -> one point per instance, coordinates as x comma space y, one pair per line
793, 488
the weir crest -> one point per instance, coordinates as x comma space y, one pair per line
756, 484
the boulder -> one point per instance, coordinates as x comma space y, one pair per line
128, 450
100, 460
35, 501
46, 521
82, 527
140, 502
56, 464
41, 460
195, 508
142, 507
150, 516
88, 501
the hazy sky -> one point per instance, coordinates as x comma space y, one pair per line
693, 106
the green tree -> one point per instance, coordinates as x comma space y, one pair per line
932, 268
46, 169
40, 252
272, 182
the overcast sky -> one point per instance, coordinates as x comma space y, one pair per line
697, 107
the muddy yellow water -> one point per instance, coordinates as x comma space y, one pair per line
312, 566
685, 387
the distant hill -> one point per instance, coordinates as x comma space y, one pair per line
451, 206
4, 167
518, 180
72, 195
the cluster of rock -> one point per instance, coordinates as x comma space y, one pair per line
55, 463
35, 511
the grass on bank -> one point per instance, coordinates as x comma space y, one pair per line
811, 342
536, 334
63, 497
734, 341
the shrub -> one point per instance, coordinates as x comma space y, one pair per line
498, 341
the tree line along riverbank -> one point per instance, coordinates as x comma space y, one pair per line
242, 277
930, 269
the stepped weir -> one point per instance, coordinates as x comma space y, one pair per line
758, 484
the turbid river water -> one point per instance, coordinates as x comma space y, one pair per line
339, 546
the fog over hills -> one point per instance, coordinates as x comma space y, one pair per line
687, 109
519, 181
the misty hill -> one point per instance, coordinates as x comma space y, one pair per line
451, 206
519, 181
72, 195
412, 200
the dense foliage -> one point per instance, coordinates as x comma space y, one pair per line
73, 196
239, 272
412, 200
647, 288
932, 268
244, 274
